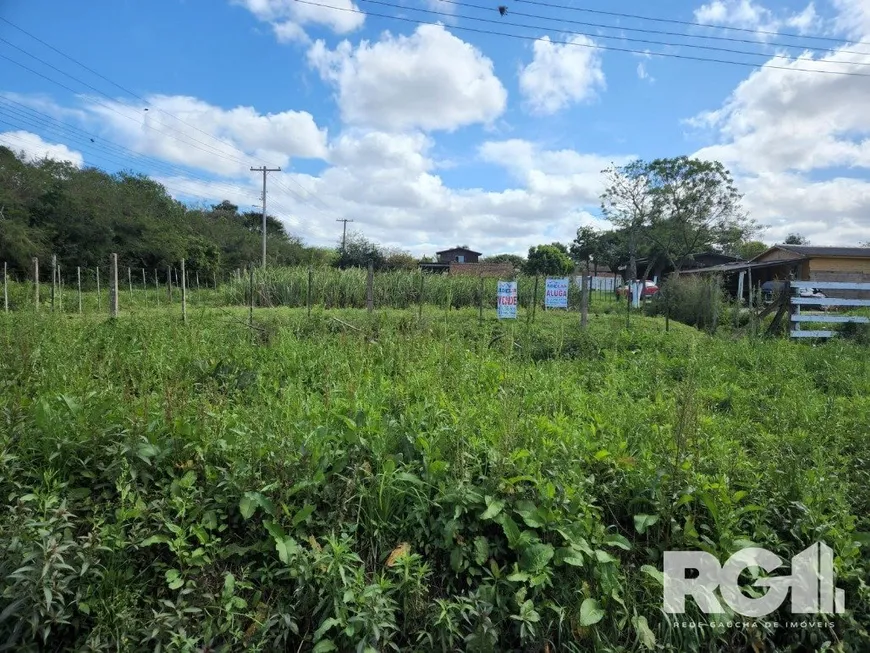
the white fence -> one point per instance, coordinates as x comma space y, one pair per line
825, 304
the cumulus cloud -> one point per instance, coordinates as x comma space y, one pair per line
190, 132
800, 146
750, 15
34, 148
560, 75
430, 80
288, 18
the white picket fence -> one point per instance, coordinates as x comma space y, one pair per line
799, 318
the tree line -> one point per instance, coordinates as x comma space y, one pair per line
662, 211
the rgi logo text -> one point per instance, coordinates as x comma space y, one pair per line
811, 582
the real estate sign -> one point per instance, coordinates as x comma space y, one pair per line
556, 295
507, 299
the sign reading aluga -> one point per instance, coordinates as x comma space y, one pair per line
556, 295
507, 299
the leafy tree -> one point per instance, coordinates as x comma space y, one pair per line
695, 206
358, 251
518, 262
584, 248
796, 239
549, 260
627, 203
750, 249
399, 260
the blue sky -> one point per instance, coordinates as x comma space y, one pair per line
430, 135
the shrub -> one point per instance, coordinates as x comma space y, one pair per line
690, 299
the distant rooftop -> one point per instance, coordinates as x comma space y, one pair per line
813, 250
458, 249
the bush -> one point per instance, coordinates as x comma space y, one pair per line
690, 299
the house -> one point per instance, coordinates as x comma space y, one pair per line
661, 267
799, 262
464, 261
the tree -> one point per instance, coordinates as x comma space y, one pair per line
796, 239
627, 204
358, 251
549, 260
749, 249
518, 262
695, 206
584, 248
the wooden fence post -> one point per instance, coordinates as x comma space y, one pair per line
534, 298
79, 280
214, 278
169, 283
420, 298
183, 293
251, 309
145, 286
584, 300
308, 292
156, 286
197, 281
480, 300
113, 286
5, 289
53, 278
130, 282
370, 290
99, 295
36, 282
59, 290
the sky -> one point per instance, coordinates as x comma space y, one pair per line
433, 123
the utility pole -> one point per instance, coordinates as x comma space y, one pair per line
265, 171
343, 232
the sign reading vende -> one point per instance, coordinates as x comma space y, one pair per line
507, 299
556, 295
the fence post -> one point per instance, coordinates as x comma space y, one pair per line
130, 282
79, 280
59, 290
480, 300
197, 281
145, 286
53, 278
251, 309
534, 298
156, 287
99, 296
308, 292
420, 298
584, 300
5, 289
370, 290
214, 278
113, 286
169, 283
36, 282
183, 293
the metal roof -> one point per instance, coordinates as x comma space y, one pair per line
744, 265
839, 252
459, 249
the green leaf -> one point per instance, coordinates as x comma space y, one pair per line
324, 646
534, 558
173, 578
325, 626
481, 549
510, 528
248, 505
493, 508
590, 612
643, 522
530, 514
655, 573
155, 539
644, 634
604, 557
286, 548
229, 584
617, 540
303, 514
569, 556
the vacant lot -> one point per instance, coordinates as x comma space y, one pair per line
383, 482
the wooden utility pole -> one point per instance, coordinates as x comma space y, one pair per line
113, 286
265, 172
343, 233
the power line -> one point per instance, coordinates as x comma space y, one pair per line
135, 95
689, 23
622, 28
593, 46
604, 36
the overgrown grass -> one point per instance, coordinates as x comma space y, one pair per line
382, 482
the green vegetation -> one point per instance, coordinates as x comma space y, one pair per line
383, 482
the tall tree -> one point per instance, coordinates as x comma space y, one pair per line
796, 239
628, 204
585, 246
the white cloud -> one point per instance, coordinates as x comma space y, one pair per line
190, 132
429, 80
799, 144
289, 18
643, 73
747, 14
34, 148
561, 75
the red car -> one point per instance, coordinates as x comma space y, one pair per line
649, 289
